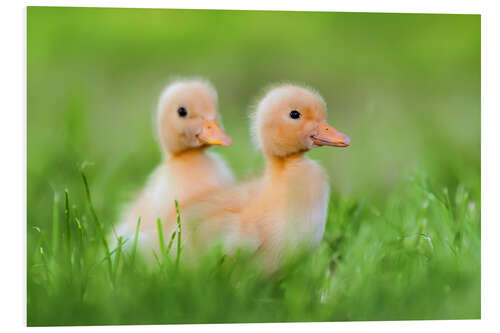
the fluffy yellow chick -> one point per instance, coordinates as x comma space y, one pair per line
286, 207
187, 124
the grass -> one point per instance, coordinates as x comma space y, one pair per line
402, 238
417, 257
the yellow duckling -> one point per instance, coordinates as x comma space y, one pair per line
287, 206
187, 123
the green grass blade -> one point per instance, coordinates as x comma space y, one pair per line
117, 258
55, 225
98, 225
234, 260
161, 238
136, 240
171, 242
42, 243
79, 228
67, 217
157, 259
177, 259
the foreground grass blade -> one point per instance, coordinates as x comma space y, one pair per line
79, 228
161, 238
55, 224
171, 242
157, 259
117, 258
42, 243
100, 230
136, 240
178, 234
67, 222
234, 260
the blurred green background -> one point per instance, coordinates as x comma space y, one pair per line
405, 87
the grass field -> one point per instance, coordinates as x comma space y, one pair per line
403, 236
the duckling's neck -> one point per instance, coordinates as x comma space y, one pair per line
276, 165
186, 154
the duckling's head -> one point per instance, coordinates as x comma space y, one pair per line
187, 117
290, 119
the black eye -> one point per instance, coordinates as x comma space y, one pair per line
294, 114
182, 112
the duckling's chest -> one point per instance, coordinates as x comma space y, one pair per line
306, 210
297, 204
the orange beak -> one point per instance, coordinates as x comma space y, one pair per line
329, 136
211, 134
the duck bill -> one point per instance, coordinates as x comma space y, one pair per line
329, 136
211, 134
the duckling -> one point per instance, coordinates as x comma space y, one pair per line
286, 207
187, 124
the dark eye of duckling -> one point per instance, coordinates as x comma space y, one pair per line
182, 111
294, 114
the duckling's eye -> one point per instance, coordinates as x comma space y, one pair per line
182, 112
294, 114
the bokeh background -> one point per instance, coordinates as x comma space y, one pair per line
405, 88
